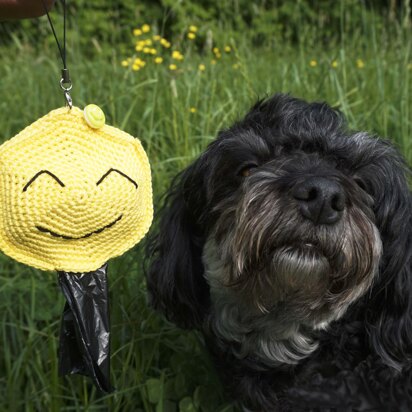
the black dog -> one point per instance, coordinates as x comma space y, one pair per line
288, 244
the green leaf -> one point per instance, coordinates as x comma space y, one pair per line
186, 405
154, 390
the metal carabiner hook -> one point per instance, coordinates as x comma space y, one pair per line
66, 90
69, 101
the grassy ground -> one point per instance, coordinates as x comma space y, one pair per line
156, 367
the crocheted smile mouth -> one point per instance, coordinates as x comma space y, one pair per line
44, 230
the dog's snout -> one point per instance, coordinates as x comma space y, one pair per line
320, 199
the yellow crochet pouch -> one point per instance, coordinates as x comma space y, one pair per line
74, 192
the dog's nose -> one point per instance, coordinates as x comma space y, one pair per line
320, 199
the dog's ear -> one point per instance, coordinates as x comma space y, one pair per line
389, 313
175, 278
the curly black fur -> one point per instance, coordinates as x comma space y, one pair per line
341, 342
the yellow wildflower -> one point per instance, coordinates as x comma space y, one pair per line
236, 66
202, 67
153, 51
139, 47
148, 42
165, 43
177, 55
409, 66
228, 49
158, 60
216, 50
145, 28
218, 55
313, 63
193, 28
138, 62
213, 61
360, 64
125, 63
191, 36
193, 110
172, 67
334, 64
157, 37
137, 32
146, 49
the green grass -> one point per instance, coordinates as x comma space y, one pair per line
151, 359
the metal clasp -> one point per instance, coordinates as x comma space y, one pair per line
66, 85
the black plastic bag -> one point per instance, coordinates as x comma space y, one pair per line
85, 329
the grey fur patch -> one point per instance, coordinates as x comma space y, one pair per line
267, 336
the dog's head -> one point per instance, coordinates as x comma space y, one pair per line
288, 212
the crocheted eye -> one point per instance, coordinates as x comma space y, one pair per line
120, 173
39, 174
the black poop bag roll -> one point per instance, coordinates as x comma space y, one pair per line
85, 329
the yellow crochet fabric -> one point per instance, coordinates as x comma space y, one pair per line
72, 196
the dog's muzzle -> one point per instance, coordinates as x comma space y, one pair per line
300, 237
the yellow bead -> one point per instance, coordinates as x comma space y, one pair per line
94, 116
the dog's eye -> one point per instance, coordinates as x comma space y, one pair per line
245, 171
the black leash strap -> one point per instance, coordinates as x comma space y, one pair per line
65, 81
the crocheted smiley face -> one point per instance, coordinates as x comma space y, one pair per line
73, 192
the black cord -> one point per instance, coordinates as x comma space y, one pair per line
64, 32
62, 51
